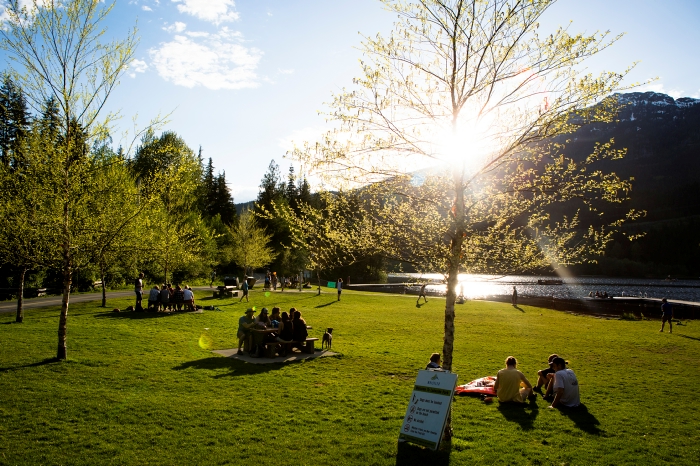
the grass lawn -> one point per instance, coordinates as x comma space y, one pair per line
146, 389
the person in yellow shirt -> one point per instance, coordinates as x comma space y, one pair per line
508, 383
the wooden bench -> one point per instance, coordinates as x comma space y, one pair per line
306, 347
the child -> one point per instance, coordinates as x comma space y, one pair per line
434, 363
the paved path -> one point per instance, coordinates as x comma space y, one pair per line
7, 307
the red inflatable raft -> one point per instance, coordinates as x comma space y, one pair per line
482, 386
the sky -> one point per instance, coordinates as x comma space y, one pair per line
245, 78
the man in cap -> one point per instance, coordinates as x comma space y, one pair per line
565, 386
245, 323
545, 377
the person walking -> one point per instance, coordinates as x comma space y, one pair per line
421, 293
666, 315
514, 299
213, 277
244, 289
339, 286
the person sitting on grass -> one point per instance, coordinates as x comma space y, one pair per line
153, 299
566, 391
434, 363
300, 332
178, 298
508, 381
164, 297
245, 323
545, 376
188, 298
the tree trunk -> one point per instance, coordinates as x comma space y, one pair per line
318, 277
20, 297
104, 289
452, 282
62, 352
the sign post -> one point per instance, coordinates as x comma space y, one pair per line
427, 411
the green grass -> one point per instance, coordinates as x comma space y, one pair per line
145, 389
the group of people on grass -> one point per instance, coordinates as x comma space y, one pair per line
511, 385
165, 297
287, 330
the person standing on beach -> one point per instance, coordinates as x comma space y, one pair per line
666, 315
515, 297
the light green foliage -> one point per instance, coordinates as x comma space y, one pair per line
250, 244
454, 119
145, 388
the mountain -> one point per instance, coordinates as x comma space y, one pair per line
662, 137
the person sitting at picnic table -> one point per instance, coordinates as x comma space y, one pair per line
508, 380
285, 333
164, 297
178, 298
566, 392
245, 323
275, 317
263, 318
300, 333
188, 298
153, 298
434, 362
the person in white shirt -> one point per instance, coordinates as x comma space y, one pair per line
188, 298
566, 391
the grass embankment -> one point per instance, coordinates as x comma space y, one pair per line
145, 388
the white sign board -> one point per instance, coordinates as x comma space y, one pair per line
427, 411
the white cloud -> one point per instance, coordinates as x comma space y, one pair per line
146, 8
216, 61
214, 11
285, 71
661, 89
137, 66
175, 27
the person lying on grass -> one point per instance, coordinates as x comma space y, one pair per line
545, 377
245, 323
508, 380
565, 386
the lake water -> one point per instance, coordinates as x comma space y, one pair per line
482, 286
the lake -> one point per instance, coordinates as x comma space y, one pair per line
483, 286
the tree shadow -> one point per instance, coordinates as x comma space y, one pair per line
235, 367
688, 337
134, 315
519, 308
324, 305
583, 419
522, 413
34, 364
408, 454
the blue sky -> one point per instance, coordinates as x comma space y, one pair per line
243, 78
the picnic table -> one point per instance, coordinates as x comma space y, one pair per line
271, 346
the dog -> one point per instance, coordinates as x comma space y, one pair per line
130, 308
327, 338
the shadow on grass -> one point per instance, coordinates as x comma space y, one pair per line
236, 367
134, 315
522, 413
327, 304
34, 364
688, 337
409, 454
584, 420
519, 308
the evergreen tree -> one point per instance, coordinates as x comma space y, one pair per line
223, 204
14, 119
291, 192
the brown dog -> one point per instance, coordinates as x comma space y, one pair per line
327, 338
